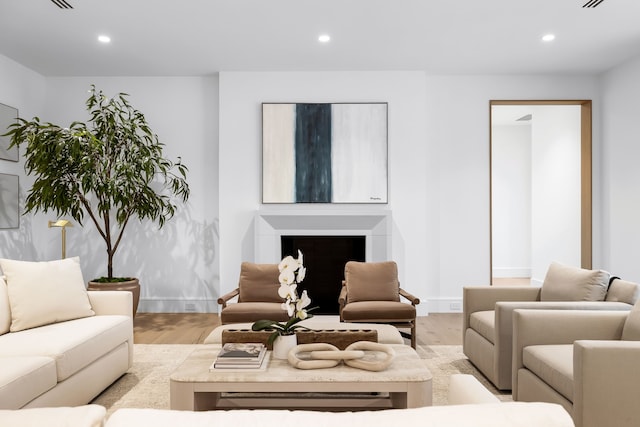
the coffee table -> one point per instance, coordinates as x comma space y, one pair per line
406, 383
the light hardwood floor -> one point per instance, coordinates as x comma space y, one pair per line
193, 328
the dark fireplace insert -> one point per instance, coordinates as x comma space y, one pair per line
324, 259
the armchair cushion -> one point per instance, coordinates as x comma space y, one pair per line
372, 281
484, 322
553, 364
379, 311
253, 311
259, 283
566, 283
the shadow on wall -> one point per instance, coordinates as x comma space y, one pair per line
176, 262
18, 243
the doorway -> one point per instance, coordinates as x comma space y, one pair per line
540, 173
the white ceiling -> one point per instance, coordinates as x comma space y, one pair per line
201, 37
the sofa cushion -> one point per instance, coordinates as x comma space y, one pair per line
73, 344
553, 364
79, 416
41, 293
507, 414
5, 308
484, 323
22, 379
371, 281
631, 329
623, 291
259, 283
566, 283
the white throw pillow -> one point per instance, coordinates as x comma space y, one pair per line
5, 309
41, 293
566, 283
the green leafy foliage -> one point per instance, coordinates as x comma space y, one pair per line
111, 168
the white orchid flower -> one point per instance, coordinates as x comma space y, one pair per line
288, 263
299, 260
302, 272
288, 291
287, 277
289, 307
301, 304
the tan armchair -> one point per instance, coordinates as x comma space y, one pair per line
257, 296
371, 294
488, 312
586, 361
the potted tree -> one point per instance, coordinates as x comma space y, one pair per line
110, 168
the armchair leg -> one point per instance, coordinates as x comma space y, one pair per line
413, 335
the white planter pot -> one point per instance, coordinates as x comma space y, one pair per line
283, 344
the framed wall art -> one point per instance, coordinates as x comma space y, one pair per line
324, 153
8, 116
9, 201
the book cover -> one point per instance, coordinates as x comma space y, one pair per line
221, 364
242, 352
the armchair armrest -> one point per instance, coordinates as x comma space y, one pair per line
414, 300
226, 297
342, 299
111, 302
540, 327
483, 298
606, 382
504, 322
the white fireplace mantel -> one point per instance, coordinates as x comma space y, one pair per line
270, 225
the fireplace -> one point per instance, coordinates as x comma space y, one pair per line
324, 259
368, 229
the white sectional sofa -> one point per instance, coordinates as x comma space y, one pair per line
471, 405
67, 362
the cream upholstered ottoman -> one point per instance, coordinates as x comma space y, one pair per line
387, 334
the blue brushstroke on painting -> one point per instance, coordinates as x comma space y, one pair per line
313, 153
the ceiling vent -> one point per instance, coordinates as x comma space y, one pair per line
592, 3
63, 4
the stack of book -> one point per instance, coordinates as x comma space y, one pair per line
241, 356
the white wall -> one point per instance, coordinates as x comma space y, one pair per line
458, 123
556, 188
621, 178
23, 89
177, 265
511, 200
438, 176
411, 160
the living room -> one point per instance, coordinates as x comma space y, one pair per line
439, 194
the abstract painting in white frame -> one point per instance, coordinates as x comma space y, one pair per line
324, 153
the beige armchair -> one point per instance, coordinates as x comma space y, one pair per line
371, 294
488, 311
257, 296
586, 361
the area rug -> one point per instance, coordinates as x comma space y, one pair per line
146, 385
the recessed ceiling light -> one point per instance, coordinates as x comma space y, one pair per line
104, 39
548, 37
324, 38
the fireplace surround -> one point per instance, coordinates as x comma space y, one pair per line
372, 226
